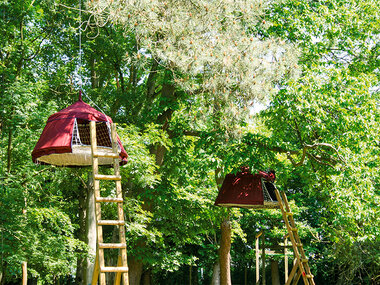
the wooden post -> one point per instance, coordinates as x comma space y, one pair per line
24, 273
286, 258
258, 258
263, 258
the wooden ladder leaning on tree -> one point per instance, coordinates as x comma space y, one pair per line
100, 269
301, 266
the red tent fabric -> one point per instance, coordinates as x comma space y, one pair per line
56, 137
244, 190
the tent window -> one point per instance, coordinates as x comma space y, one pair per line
268, 191
81, 133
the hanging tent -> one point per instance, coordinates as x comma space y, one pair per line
247, 190
65, 140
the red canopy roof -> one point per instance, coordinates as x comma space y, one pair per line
57, 134
243, 189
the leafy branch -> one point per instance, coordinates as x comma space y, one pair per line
329, 161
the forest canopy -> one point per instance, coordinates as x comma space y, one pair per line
183, 81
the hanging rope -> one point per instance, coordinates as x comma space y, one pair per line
93, 103
81, 91
80, 45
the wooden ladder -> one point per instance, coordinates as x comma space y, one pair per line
100, 269
301, 266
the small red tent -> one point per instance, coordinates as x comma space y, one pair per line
247, 190
65, 140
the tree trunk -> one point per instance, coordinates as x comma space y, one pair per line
94, 77
135, 270
90, 230
24, 273
9, 150
245, 275
216, 274
81, 265
194, 275
168, 94
275, 272
224, 252
3, 273
147, 277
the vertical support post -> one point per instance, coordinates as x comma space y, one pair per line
99, 229
258, 258
263, 258
286, 258
24, 273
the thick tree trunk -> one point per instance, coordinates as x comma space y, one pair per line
275, 272
135, 270
147, 277
135, 265
216, 274
224, 252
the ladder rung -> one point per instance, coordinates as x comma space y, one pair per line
113, 269
110, 223
107, 177
299, 244
294, 229
309, 276
112, 245
110, 155
109, 199
289, 213
304, 260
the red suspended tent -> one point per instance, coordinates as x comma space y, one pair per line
247, 190
65, 140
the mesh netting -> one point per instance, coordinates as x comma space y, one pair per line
267, 197
268, 191
81, 146
81, 134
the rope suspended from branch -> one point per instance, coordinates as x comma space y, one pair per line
81, 91
80, 45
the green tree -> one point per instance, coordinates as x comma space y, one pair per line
326, 123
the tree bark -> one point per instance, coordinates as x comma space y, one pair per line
81, 265
168, 93
94, 77
194, 275
135, 270
224, 252
275, 272
90, 230
24, 273
147, 277
216, 274
3, 273
9, 150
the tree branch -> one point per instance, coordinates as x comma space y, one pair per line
329, 161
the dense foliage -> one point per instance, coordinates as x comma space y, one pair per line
181, 80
